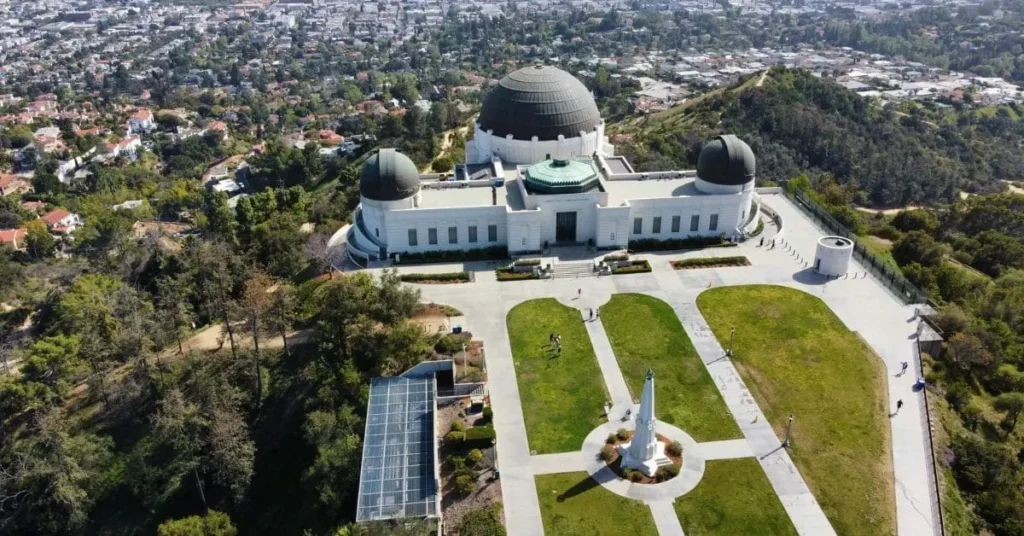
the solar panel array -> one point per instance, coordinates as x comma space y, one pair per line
398, 477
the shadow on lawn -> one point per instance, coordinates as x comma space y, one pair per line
588, 483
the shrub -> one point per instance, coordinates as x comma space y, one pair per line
636, 267
608, 453
634, 476
457, 463
487, 415
455, 437
693, 242
452, 343
622, 434
480, 254
465, 484
479, 437
612, 439
443, 164
506, 274
458, 427
703, 262
666, 472
527, 262
616, 257
474, 457
484, 521
674, 448
446, 277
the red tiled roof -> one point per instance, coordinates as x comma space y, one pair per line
54, 216
14, 237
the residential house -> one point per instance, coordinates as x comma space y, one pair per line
10, 184
15, 238
141, 121
60, 221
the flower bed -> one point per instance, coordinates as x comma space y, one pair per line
610, 455
710, 262
636, 267
438, 279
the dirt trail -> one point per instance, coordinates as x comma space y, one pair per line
446, 143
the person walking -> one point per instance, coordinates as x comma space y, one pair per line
559, 349
551, 338
591, 314
899, 406
762, 242
904, 366
579, 292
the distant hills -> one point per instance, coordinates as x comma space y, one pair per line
799, 123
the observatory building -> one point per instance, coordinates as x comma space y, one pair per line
539, 172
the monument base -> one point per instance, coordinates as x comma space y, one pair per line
647, 467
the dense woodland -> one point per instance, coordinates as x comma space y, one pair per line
798, 123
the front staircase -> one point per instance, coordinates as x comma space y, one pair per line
572, 270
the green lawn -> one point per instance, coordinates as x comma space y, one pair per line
563, 396
796, 356
646, 334
734, 497
574, 504
881, 248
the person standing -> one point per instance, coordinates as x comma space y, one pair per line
591, 314
579, 292
899, 406
903, 369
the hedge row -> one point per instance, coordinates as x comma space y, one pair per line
478, 437
480, 254
507, 273
527, 262
705, 262
693, 242
616, 257
638, 267
461, 277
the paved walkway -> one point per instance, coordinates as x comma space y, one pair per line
665, 518
862, 304
613, 379
725, 450
563, 462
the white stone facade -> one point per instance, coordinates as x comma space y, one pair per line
485, 147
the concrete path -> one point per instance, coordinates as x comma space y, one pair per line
563, 462
613, 379
725, 450
665, 518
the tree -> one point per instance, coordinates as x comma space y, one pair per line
46, 183
969, 352
919, 247
1012, 404
174, 306
257, 304
180, 425
214, 523
38, 239
915, 220
321, 253
230, 452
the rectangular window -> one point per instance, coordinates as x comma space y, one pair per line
695, 223
472, 234
713, 226
656, 227
453, 235
492, 233
413, 239
675, 224
638, 225
432, 236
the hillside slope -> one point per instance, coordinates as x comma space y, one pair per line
799, 123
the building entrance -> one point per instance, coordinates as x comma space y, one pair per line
565, 227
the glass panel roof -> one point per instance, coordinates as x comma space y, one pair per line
399, 451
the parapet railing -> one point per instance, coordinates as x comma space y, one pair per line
892, 279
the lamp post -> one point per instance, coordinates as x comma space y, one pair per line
732, 335
465, 358
789, 428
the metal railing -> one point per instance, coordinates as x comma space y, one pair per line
891, 278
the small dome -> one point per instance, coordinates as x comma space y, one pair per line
726, 160
389, 175
539, 101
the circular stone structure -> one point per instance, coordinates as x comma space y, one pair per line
542, 102
389, 175
832, 257
561, 176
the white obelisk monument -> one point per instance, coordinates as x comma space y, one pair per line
644, 452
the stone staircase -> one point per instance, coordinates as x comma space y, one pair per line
573, 270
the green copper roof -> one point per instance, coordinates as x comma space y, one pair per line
561, 176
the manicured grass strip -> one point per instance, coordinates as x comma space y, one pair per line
796, 356
646, 334
574, 504
734, 497
562, 395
